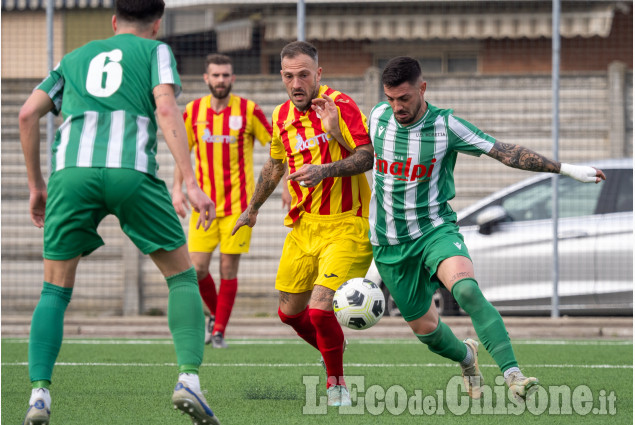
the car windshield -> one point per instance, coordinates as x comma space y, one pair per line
534, 202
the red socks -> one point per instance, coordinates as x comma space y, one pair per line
301, 323
207, 288
226, 298
220, 306
330, 339
321, 329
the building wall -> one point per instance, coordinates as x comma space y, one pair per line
24, 49
577, 54
84, 25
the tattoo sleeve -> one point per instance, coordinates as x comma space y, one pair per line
272, 172
517, 156
360, 161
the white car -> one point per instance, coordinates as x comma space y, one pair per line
510, 238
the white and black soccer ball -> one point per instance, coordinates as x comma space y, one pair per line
359, 303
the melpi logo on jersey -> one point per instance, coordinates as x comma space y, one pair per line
236, 122
405, 170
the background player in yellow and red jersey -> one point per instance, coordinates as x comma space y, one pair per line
322, 135
222, 129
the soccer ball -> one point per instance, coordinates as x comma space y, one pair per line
358, 303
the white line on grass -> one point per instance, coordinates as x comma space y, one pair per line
551, 366
299, 342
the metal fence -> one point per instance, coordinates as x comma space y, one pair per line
489, 61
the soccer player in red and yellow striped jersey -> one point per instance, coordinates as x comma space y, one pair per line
221, 129
322, 136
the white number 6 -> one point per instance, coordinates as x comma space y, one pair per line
113, 71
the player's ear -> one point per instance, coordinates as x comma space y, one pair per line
318, 78
155, 27
422, 88
114, 23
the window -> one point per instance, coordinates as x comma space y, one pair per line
534, 202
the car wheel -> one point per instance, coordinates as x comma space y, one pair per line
445, 303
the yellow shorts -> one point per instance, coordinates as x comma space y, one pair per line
324, 250
200, 240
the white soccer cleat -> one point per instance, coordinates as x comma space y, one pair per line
193, 403
521, 386
39, 412
218, 341
472, 376
338, 395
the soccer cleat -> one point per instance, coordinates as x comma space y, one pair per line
210, 329
472, 376
338, 395
193, 403
218, 341
521, 386
38, 413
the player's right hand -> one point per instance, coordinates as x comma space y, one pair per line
37, 206
247, 218
179, 201
202, 205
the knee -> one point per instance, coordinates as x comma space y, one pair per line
467, 294
290, 318
424, 326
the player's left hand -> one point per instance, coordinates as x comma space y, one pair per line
308, 175
328, 113
582, 173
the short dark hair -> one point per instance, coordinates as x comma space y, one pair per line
400, 70
296, 48
218, 59
141, 11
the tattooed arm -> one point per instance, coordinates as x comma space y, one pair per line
270, 176
517, 156
360, 161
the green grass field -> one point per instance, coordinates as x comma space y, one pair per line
129, 382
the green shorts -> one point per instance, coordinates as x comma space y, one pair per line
79, 198
408, 270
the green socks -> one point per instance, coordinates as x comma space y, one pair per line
47, 331
186, 320
443, 342
487, 322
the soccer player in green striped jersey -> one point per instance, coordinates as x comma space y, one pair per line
103, 162
416, 242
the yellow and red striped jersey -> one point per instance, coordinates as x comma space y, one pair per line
299, 138
223, 144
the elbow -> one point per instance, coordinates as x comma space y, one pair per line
28, 115
165, 111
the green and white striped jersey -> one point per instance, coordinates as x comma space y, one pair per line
104, 91
413, 176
